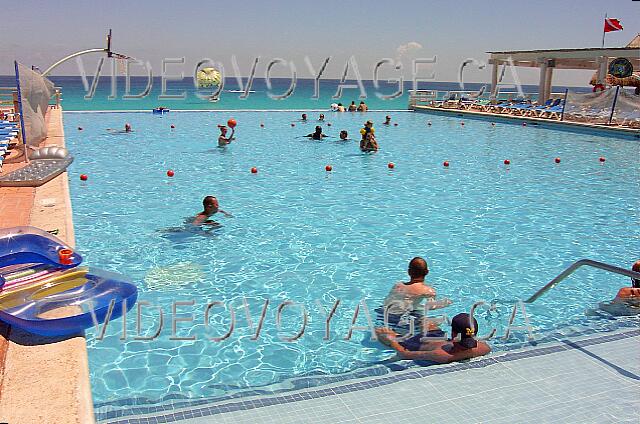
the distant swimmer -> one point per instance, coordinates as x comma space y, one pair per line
303, 118
362, 107
321, 117
340, 107
353, 107
223, 140
387, 120
211, 207
419, 348
344, 135
127, 129
317, 135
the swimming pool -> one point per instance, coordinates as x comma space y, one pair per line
489, 232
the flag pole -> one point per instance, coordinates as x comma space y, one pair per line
603, 29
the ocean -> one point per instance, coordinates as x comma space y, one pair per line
232, 96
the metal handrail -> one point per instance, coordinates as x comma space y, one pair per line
571, 269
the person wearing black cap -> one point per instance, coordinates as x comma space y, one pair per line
442, 352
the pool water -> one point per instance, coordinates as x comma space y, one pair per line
489, 232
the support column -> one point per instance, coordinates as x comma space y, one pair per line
602, 70
543, 80
548, 82
494, 79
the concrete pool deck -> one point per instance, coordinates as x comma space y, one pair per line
580, 127
43, 380
586, 379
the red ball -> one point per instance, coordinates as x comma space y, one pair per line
254, 170
557, 160
328, 168
293, 125
445, 164
391, 165
507, 162
602, 159
170, 173
232, 123
172, 126
83, 177
79, 128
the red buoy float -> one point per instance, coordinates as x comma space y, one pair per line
602, 159
391, 165
328, 168
557, 160
254, 170
84, 177
293, 125
445, 164
172, 126
170, 173
79, 128
507, 162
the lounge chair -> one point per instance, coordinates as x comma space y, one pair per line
552, 112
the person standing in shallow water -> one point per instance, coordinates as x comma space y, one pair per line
223, 140
353, 107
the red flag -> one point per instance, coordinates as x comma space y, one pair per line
611, 24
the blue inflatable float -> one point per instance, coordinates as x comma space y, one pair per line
44, 290
160, 110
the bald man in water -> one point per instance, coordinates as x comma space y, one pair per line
408, 296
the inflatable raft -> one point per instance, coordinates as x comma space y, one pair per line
44, 290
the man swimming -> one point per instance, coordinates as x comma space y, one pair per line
344, 135
321, 117
211, 207
127, 129
387, 120
303, 118
317, 135
223, 140
340, 107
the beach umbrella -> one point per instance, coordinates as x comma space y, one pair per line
208, 77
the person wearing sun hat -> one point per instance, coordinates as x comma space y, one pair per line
443, 352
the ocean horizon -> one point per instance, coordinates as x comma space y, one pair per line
232, 95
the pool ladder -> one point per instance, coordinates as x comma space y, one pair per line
571, 269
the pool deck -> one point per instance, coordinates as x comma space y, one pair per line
582, 127
584, 379
43, 380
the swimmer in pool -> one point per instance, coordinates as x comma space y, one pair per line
362, 107
344, 135
127, 129
340, 107
223, 140
368, 142
321, 117
317, 135
353, 107
442, 352
211, 207
387, 120
303, 118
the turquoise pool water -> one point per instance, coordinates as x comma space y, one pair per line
489, 232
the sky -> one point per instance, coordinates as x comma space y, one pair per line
41, 32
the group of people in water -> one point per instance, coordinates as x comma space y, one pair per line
368, 142
339, 107
406, 299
